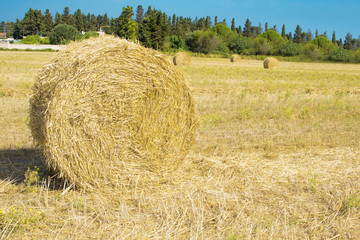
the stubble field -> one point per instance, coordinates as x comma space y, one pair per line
276, 157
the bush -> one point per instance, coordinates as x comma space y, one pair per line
176, 42
324, 44
63, 34
45, 40
90, 34
273, 37
223, 48
34, 39
262, 46
203, 42
223, 31
31, 39
289, 49
357, 55
312, 51
239, 44
340, 55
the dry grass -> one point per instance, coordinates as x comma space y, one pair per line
277, 157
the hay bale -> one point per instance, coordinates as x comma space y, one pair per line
271, 62
182, 59
235, 58
106, 110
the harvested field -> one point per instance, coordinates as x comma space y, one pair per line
276, 157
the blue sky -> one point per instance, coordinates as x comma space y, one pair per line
324, 15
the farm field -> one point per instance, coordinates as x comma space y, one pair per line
276, 157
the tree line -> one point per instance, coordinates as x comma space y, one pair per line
155, 29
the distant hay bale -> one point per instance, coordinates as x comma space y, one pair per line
271, 62
106, 110
235, 58
182, 59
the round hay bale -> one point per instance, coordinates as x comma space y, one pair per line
182, 59
235, 58
106, 110
271, 62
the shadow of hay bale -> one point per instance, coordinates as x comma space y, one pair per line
106, 111
15, 162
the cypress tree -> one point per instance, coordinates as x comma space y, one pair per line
298, 35
247, 29
78, 20
57, 19
333, 40
308, 36
124, 24
49, 22
207, 23
240, 31
139, 14
233, 25
66, 17
283, 34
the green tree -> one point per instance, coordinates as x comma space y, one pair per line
223, 31
259, 30
348, 43
340, 43
289, 49
153, 30
324, 44
312, 51
78, 20
63, 34
240, 33
149, 12
289, 37
239, 44
139, 14
298, 36
18, 34
106, 20
33, 22
124, 24
340, 55
262, 46
283, 33
247, 29
66, 16
273, 37
207, 22
48, 22
57, 19
93, 23
308, 36
176, 42
333, 39
204, 41
233, 25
